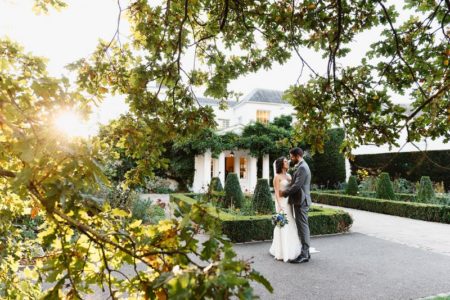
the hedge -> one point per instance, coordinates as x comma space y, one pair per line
385, 190
408, 165
258, 228
328, 168
413, 210
426, 191
262, 201
215, 185
233, 192
352, 186
400, 197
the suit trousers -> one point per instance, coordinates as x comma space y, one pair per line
301, 219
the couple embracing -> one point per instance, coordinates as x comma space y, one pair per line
291, 243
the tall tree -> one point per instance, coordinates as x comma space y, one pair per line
43, 173
232, 38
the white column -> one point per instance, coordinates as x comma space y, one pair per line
199, 173
348, 169
221, 168
215, 163
266, 167
207, 168
252, 172
237, 161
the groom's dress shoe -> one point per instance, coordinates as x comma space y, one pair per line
300, 259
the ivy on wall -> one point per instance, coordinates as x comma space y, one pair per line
259, 139
274, 139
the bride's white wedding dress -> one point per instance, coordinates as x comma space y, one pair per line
286, 243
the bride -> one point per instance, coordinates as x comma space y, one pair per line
286, 243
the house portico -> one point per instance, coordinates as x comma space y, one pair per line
262, 106
236, 161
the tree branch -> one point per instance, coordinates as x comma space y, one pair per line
225, 15
180, 35
116, 33
105, 262
428, 101
337, 39
6, 173
397, 48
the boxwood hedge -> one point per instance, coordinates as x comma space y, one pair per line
256, 228
413, 210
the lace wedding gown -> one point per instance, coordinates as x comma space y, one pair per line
286, 243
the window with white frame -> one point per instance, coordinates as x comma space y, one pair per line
224, 123
263, 116
243, 168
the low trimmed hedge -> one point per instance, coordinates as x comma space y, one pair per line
258, 228
413, 210
400, 197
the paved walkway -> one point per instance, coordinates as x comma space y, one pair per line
383, 257
428, 236
352, 266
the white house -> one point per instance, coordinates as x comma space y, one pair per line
263, 106
260, 105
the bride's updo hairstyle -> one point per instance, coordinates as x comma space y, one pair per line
279, 164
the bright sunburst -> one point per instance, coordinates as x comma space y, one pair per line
71, 124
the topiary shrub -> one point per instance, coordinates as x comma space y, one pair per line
352, 186
426, 191
215, 185
384, 187
419, 211
233, 192
262, 198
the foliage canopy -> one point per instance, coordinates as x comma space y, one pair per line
46, 175
411, 58
42, 173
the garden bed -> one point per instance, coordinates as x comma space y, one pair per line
413, 210
241, 228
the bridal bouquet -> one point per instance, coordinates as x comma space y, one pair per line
279, 219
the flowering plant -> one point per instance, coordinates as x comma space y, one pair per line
279, 219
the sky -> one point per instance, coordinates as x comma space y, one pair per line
64, 37
73, 33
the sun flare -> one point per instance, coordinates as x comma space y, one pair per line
71, 124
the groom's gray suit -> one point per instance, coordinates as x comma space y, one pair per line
300, 197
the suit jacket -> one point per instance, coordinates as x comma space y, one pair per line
299, 191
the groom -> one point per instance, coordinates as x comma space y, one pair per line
300, 198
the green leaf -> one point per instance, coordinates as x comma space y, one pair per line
119, 213
256, 276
